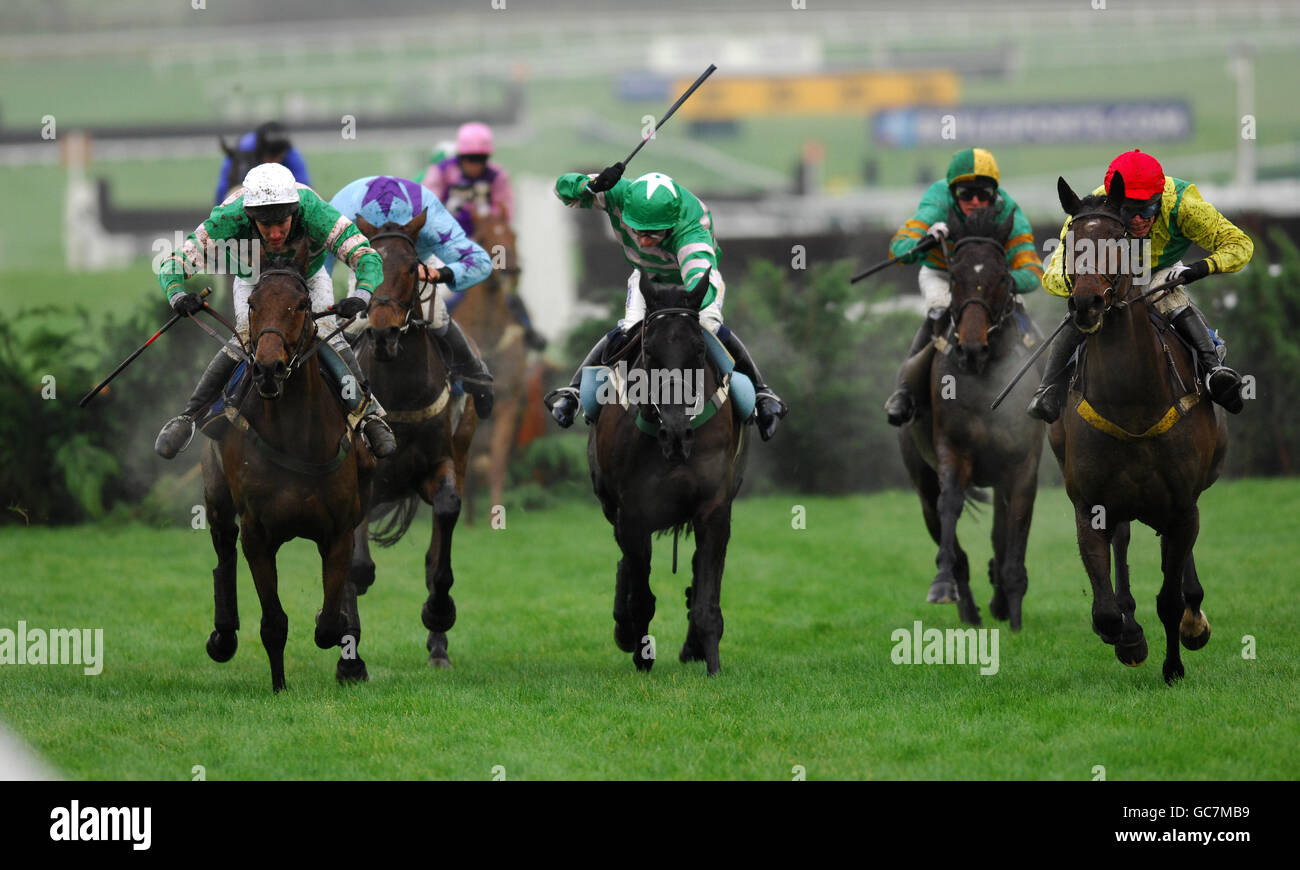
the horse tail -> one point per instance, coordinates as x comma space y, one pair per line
397, 517
976, 497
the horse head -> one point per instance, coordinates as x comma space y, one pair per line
981, 284
396, 300
495, 236
280, 320
1095, 229
674, 355
240, 163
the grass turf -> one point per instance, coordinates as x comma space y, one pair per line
540, 689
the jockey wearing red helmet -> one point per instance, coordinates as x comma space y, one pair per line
1171, 213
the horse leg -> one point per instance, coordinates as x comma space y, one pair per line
712, 532
998, 606
1109, 621
260, 553
1194, 630
224, 639
1123, 595
351, 666
634, 603
439, 611
503, 431
1175, 545
335, 555
361, 573
954, 571
1018, 513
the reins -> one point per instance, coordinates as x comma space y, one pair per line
407, 305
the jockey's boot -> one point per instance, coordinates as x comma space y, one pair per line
1223, 384
901, 404
519, 311
563, 402
768, 406
468, 367
179, 430
353, 389
1050, 395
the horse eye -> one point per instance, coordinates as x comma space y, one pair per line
302, 305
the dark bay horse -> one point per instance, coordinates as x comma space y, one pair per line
684, 478
956, 443
485, 316
1138, 440
433, 429
288, 467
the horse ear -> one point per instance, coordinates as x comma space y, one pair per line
1069, 199
416, 224
302, 254
367, 228
1116, 193
696, 297
230, 152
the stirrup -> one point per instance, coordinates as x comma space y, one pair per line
554, 396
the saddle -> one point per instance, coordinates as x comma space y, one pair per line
613, 373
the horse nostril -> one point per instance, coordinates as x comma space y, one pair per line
281, 369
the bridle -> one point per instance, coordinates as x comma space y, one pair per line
1114, 294
305, 338
409, 305
645, 322
996, 318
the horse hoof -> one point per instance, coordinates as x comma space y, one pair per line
1131, 654
351, 671
439, 661
942, 592
1194, 630
998, 606
1108, 639
221, 647
625, 638
1173, 671
690, 653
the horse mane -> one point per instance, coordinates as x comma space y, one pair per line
1098, 202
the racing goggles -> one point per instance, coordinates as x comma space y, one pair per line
965, 193
1143, 208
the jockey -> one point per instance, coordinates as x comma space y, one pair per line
972, 183
667, 232
269, 144
380, 199
271, 212
472, 186
1171, 213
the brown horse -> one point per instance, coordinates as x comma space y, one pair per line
288, 467
1138, 440
433, 429
685, 478
484, 315
957, 443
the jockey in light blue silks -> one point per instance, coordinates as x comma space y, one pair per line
449, 258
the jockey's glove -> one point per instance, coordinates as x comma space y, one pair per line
939, 230
607, 178
1188, 274
350, 307
186, 304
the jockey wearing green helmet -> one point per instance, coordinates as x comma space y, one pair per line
667, 234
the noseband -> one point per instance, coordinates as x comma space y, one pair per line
404, 305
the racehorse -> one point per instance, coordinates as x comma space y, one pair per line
485, 316
1138, 440
240, 162
287, 467
433, 430
684, 478
957, 443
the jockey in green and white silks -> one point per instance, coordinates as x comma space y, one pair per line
971, 183
667, 234
270, 211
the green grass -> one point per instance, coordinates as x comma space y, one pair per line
539, 687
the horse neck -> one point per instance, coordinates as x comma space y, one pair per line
1126, 364
304, 421
416, 368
